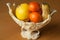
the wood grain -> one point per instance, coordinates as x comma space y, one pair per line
9, 30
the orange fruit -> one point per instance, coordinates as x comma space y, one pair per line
35, 17
34, 6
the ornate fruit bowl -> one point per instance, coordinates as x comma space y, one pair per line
29, 30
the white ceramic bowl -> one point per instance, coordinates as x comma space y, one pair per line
28, 27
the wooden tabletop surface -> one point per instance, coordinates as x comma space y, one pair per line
9, 30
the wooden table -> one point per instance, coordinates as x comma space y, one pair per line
9, 30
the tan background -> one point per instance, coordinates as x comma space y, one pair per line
9, 30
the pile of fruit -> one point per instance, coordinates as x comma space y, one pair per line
31, 12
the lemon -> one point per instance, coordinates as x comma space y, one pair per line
22, 11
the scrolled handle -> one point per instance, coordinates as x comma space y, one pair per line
19, 22
52, 12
